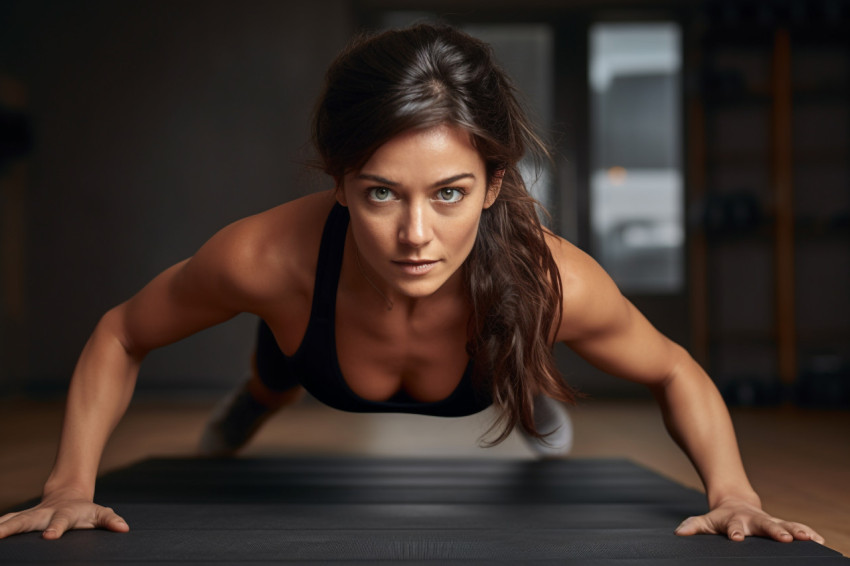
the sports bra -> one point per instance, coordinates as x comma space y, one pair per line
316, 365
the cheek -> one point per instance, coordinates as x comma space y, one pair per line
373, 238
462, 236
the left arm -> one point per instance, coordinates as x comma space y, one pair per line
603, 327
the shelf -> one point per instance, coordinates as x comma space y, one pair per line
826, 156
738, 99
741, 157
837, 95
773, 137
821, 228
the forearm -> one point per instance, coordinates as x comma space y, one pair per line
100, 391
698, 420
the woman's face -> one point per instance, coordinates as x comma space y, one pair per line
415, 208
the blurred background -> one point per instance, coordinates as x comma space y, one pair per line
702, 155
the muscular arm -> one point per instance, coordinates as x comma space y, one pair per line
218, 282
177, 303
261, 264
603, 327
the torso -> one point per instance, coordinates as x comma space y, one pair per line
419, 350
381, 352
268, 264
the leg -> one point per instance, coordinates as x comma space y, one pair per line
552, 419
241, 414
272, 398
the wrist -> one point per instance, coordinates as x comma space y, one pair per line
719, 497
67, 488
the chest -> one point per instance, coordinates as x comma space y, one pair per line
383, 352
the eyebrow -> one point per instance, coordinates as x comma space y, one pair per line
440, 183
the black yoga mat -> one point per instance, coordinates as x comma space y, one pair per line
341, 510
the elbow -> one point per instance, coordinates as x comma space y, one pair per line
113, 323
679, 365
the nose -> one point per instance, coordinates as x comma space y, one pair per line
416, 226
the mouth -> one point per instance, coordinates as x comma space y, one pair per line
416, 266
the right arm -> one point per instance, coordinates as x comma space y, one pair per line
197, 293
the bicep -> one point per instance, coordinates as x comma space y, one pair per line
246, 267
604, 327
628, 346
180, 301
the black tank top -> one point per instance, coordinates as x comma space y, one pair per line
315, 362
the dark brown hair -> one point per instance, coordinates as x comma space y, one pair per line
428, 75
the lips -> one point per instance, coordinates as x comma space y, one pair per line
416, 266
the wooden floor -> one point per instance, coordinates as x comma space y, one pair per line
798, 460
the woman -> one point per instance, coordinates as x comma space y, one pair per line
423, 282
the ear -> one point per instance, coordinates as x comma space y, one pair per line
494, 188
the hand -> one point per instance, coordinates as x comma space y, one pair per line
738, 519
59, 513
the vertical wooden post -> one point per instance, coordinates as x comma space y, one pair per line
784, 207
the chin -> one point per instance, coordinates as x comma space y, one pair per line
419, 291
422, 289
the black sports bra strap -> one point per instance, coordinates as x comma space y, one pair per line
330, 263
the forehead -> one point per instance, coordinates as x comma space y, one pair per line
437, 149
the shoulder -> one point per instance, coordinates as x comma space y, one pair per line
266, 256
592, 301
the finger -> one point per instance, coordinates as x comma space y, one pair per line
780, 533
693, 526
107, 518
765, 526
803, 532
9, 525
57, 527
5, 524
16, 523
735, 530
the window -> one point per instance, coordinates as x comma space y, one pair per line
636, 187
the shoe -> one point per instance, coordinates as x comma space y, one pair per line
552, 420
233, 422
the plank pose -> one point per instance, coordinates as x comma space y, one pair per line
422, 282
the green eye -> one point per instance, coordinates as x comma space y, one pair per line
380, 194
450, 195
